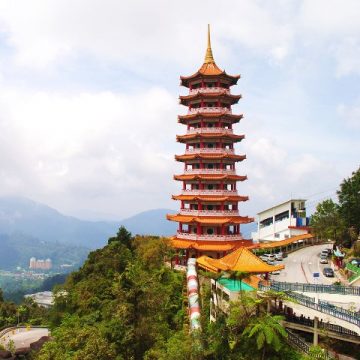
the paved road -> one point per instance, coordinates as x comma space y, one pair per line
23, 337
300, 266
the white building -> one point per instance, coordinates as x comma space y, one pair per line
44, 298
282, 221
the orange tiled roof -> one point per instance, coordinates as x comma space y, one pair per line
210, 219
210, 198
210, 177
210, 156
234, 137
233, 98
285, 242
208, 245
241, 259
209, 68
224, 115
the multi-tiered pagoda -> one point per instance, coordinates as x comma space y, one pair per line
209, 218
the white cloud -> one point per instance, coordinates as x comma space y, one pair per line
350, 114
46, 32
97, 144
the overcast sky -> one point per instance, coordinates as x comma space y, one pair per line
89, 98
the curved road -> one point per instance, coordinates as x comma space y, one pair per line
301, 264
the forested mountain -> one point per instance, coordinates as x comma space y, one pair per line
21, 215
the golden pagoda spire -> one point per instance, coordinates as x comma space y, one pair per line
209, 55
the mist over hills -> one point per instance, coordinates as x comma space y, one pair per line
29, 228
24, 216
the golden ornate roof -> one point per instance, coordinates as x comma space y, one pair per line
208, 245
241, 259
209, 67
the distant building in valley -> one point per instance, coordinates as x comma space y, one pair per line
282, 221
40, 264
44, 299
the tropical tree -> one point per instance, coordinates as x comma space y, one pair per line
349, 201
272, 295
239, 276
268, 332
327, 221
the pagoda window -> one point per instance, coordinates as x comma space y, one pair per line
210, 187
210, 207
210, 125
210, 145
210, 231
210, 166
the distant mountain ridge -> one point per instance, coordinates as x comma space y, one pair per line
24, 216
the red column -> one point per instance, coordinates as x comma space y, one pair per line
198, 229
180, 227
222, 229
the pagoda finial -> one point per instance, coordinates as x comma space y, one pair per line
209, 55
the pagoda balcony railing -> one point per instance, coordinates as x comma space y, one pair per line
207, 130
207, 90
210, 171
214, 109
210, 192
209, 212
209, 151
207, 237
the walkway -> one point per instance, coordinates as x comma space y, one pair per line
22, 336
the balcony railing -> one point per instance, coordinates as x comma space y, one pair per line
206, 90
210, 171
209, 151
187, 236
209, 212
210, 192
207, 130
214, 109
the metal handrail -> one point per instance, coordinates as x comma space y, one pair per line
317, 288
300, 344
323, 307
321, 325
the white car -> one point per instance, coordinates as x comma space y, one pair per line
324, 260
279, 256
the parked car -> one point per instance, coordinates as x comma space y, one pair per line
270, 262
324, 252
276, 272
279, 256
267, 256
323, 260
328, 272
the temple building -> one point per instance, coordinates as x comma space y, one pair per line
209, 218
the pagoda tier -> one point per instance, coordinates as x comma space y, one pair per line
220, 96
210, 176
209, 134
210, 154
210, 198
203, 217
213, 116
209, 216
